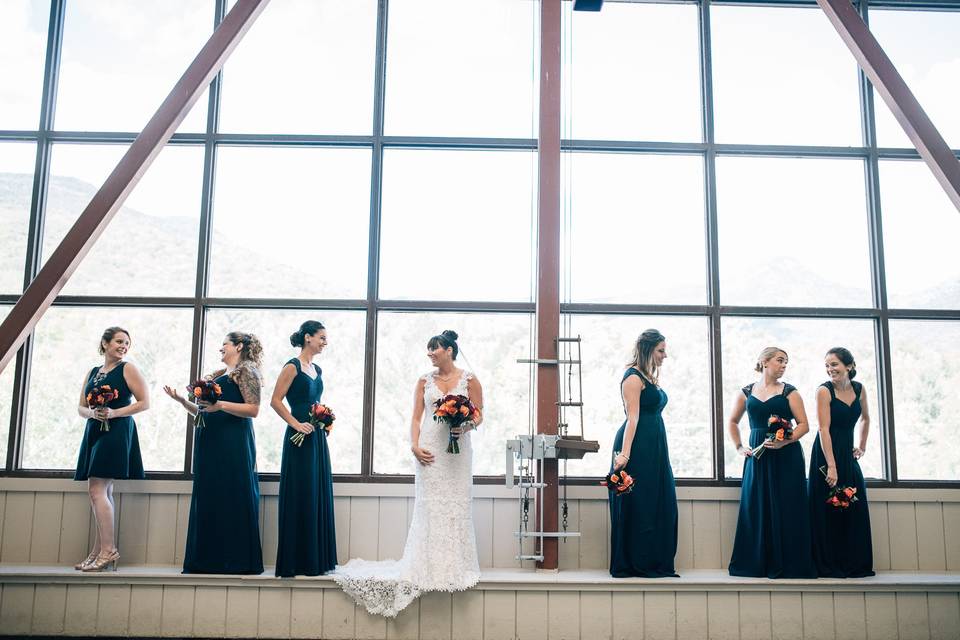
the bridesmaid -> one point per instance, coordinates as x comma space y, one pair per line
106, 455
307, 537
773, 528
223, 535
842, 547
643, 531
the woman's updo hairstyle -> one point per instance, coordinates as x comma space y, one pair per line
447, 338
765, 355
308, 328
108, 336
843, 355
250, 348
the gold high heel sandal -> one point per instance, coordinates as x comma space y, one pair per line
90, 558
103, 562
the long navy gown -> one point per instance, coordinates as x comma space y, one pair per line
773, 528
223, 535
842, 547
307, 537
643, 523
114, 453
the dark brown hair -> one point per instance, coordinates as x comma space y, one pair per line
108, 336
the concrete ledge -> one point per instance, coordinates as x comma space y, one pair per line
500, 580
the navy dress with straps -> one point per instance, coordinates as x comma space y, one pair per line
842, 546
223, 535
307, 543
643, 523
773, 527
114, 453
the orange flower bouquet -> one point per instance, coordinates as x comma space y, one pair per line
840, 497
99, 397
206, 390
619, 482
454, 411
778, 429
321, 417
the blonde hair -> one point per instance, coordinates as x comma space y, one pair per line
765, 355
643, 350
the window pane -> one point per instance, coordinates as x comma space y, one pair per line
630, 216
434, 210
925, 48
16, 188
158, 224
121, 59
490, 344
793, 232
607, 347
632, 72
23, 43
65, 350
920, 228
806, 342
268, 201
924, 359
6, 398
462, 68
341, 362
774, 69
306, 66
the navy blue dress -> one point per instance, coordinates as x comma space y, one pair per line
842, 546
773, 528
307, 542
643, 523
223, 535
114, 453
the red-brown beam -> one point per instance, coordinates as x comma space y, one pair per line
548, 259
41, 293
895, 92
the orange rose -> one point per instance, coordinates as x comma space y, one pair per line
779, 434
464, 410
614, 477
197, 391
849, 491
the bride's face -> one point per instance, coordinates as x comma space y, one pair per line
438, 355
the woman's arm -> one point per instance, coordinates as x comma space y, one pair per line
823, 417
864, 426
287, 375
631, 389
733, 425
423, 456
82, 409
799, 416
141, 392
248, 379
475, 394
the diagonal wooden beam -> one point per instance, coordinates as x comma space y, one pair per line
41, 293
895, 92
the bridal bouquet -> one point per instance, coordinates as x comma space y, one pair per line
321, 417
840, 497
99, 397
454, 411
206, 390
619, 482
778, 429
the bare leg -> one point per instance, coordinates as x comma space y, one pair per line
101, 490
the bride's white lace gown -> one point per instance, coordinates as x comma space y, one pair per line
441, 549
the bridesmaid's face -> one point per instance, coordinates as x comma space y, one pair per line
660, 354
777, 365
230, 352
118, 346
836, 369
317, 342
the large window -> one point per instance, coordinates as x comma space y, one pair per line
373, 164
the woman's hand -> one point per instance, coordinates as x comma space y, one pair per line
832, 476
746, 452
620, 461
209, 407
777, 444
858, 452
303, 427
103, 413
423, 456
466, 425
173, 393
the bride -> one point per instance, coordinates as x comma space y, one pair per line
441, 549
